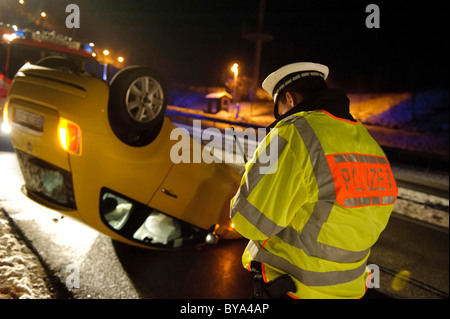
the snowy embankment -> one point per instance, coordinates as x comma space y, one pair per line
416, 121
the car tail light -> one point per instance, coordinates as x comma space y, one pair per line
69, 136
6, 126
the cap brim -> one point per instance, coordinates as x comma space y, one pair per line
275, 77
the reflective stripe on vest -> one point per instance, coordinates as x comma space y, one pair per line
307, 277
250, 212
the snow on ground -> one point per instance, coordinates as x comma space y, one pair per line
421, 206
21, 273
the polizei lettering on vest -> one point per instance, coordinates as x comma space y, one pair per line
362, 179
372, 182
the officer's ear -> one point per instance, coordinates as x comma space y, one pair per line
293, 98
289, 98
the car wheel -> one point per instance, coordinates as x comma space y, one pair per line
58, 63
137, 103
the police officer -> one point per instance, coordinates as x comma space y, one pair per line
312, 216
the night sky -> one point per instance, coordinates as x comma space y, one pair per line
197, 41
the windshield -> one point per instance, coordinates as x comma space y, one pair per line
21, 54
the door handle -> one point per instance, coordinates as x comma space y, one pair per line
165, 191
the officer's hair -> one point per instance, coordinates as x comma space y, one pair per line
305, 87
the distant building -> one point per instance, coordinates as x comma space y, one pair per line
218, 101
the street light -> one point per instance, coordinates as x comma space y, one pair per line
234, 68
120, 59
236, 71
105, 66
43, 14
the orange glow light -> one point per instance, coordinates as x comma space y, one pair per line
69, 136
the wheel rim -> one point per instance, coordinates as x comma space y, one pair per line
144, 99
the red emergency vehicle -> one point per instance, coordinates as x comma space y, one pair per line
18, 47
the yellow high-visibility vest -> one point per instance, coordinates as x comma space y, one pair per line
313, 201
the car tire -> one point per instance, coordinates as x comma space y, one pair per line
137, 103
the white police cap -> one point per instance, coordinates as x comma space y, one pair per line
279, 79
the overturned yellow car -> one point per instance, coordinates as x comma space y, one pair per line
100, 153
